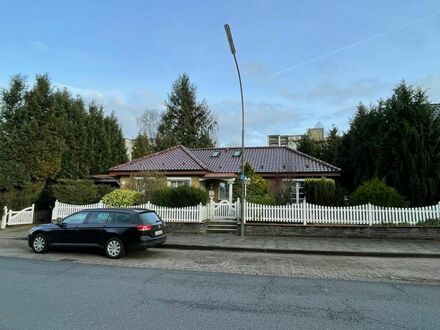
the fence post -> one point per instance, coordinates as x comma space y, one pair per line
33, 212
438, 210
200, 211
101, 204
211, 210
55, 210
304, 212
4, 217
370, 214
244, 211
237, 209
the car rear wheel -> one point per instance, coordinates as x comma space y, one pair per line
114, 248
39, 243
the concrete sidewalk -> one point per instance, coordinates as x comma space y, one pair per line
299, 245
307, 245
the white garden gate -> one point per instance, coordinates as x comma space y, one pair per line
224, 210
12, 218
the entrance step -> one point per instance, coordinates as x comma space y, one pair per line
222, 226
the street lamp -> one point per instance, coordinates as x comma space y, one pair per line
242, 177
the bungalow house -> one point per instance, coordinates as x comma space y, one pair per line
215, 169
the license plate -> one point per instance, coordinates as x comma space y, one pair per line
159, 232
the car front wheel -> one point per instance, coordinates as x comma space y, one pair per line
114, 248
39, 243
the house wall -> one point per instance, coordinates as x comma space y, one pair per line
194, 180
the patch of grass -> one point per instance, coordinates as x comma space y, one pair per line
429, 223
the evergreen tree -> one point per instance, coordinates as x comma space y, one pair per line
13, 171
397, 140
141, 146
410, 150
332, 144
311, 147
185, 120
43, 123
99, 145
74, 163
118, 151
359, 149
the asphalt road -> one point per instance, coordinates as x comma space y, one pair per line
39, 294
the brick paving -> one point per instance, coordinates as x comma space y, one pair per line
414, 270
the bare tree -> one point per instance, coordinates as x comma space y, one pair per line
148, 123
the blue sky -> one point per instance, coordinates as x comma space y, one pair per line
126, 55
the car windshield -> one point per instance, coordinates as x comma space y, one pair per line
149, 218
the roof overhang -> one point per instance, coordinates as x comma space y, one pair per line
166, 173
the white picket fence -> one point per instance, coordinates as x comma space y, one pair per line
302, 213
12, 218
367, 214
188, 214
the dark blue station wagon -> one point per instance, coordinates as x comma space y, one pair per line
115, 230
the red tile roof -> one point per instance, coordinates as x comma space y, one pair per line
272, 159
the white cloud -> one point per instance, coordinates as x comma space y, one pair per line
261, 119
40, 46
332, 93
431, 84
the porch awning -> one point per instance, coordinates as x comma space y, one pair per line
220, 176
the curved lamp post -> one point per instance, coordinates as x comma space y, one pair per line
242, 176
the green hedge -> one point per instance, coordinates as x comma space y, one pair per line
17, 199
320, 191
77, 192
378, 193
262, 200
121, 198
179, 197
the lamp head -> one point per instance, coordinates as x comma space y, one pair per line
230, 40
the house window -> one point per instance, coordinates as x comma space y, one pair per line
294, 189
223, 190
178, 182
215, 154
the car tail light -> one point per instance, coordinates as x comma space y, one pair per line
144, 227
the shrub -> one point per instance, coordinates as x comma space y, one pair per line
146, 184
77, 192
256, 187
285, 193
378, 193
320, 191
179, 197
121, 198
263, 200
102, 190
